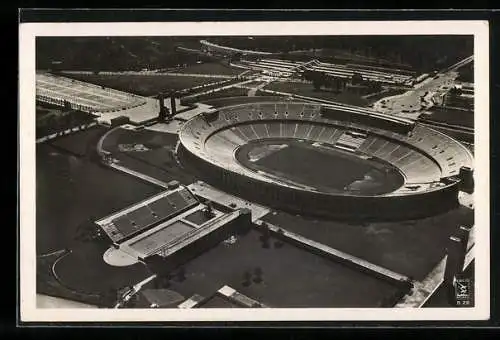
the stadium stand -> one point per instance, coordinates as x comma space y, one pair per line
83, 96
424, 156
285, 68
124, 224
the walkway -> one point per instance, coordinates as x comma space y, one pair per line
338, 255
421, 97
46, 301
151, 73
423, 290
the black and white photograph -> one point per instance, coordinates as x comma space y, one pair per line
272, 171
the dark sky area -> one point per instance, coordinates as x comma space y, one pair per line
420, 53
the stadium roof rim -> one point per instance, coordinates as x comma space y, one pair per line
207, 158
340, 106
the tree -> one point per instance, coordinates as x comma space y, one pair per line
316, 84
280, 233
181, 274
247, 276
356, 78
266, 235
257, 275
209, 213
164, 281
87, 231
455, 91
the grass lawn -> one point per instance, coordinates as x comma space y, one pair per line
158, 162
211, 68
308, 90
227, 101
291, 276
230, 92
451, 116
145, 85
411, 248
70, 189
390, 92
50, 120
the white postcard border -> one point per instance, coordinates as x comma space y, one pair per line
27, 254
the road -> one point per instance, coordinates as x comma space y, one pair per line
411, 103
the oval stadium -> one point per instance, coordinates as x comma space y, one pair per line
183, 173
354, 163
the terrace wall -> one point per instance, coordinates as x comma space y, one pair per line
239, 225
365, 119
414, 205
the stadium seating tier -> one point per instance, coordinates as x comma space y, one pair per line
423, 156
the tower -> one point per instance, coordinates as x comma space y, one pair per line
163, 114
456, 252
466, 179
173, 109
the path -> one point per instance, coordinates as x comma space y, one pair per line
421, 97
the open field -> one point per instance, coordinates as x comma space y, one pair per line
390, 92
452, 117
51, 119
466, 73
230, 92
81, 143
210, 68
71, 189
211, 86
158, 162
291, 276
308, 91
94, 276
411, 248
228, 101
145, 85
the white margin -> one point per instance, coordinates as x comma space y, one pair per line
27, 255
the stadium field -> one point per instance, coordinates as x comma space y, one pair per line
325, 169
411, 248
72, 189
308, 91
291, 276
145, 85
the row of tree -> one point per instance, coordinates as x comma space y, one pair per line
337, 84
420, 52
